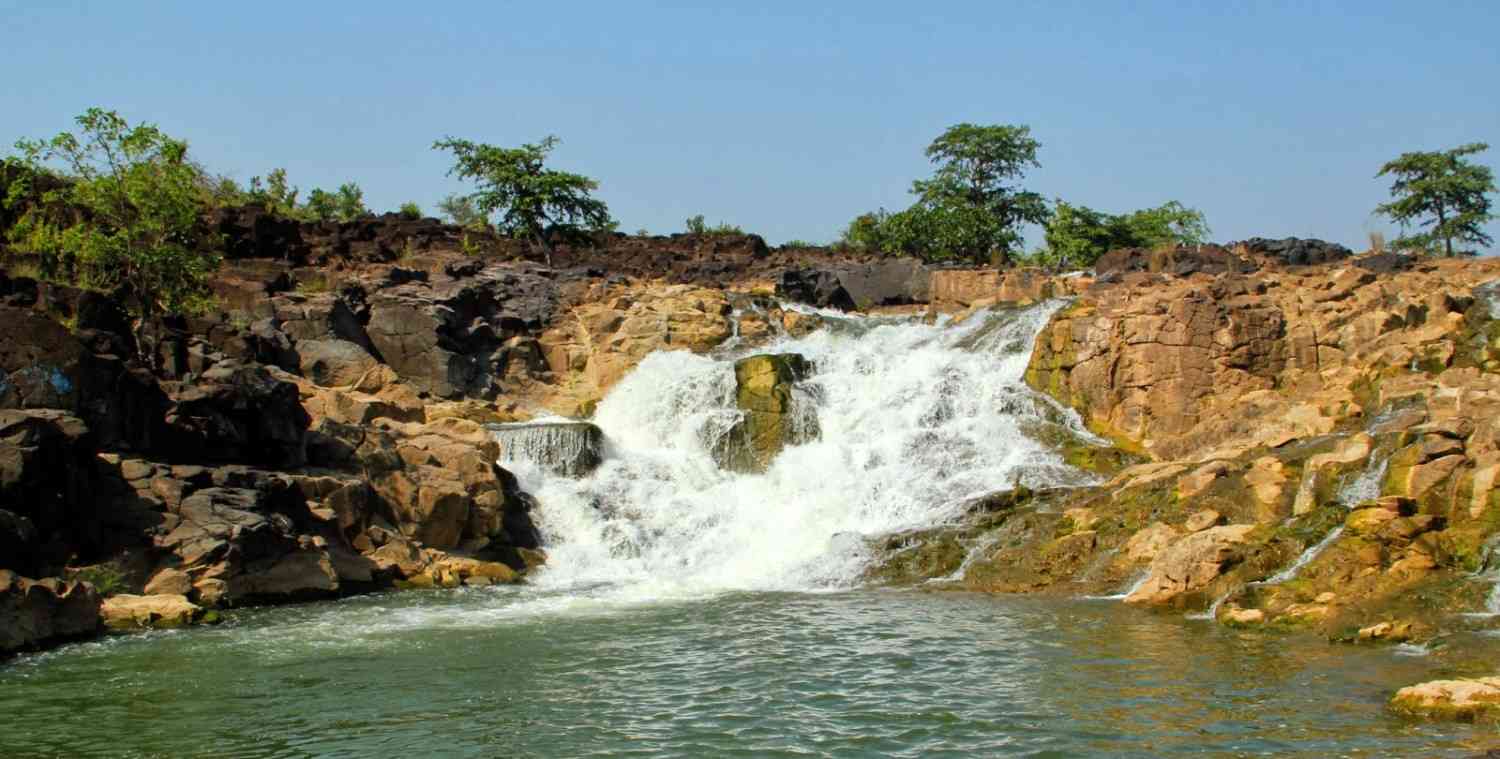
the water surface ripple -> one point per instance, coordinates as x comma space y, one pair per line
514, 673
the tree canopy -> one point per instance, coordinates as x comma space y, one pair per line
1443, 193
535, 203
126, 216
1078, 235
971, 208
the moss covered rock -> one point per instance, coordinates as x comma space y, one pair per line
772, 415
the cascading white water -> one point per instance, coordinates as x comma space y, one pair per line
915, 419
1365, 487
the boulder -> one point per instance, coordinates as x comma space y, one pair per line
39, 613
130, 612
1293, 251
238, 412
333, 362
772, 416
49, 508
860, 286
1191, 563
1465, 700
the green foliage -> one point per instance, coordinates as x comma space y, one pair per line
347, 203
535, 203
460, 210
801, 244
1077, 235
696, 225
127, 217
1444, 193
411, 210
107, 578
868, 233
970, 209
274, 193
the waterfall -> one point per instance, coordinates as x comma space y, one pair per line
915, 420
1136, 581
558, 446
1306, 557
1365, 487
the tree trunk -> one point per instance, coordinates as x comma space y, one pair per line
1442, 230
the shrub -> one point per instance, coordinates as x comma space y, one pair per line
411, 210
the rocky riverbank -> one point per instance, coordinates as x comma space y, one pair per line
1289, 436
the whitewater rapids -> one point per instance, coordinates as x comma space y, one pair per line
916, 419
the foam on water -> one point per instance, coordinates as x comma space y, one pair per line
915, 419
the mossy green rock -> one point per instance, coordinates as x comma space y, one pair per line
771, 417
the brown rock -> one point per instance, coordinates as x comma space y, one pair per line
170, 582
1191, 563
1450, 699
129, 612
1202, 520
1150, 542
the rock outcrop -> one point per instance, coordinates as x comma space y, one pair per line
772, 415
38, 613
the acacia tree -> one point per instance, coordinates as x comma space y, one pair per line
126, 216
537, 204
1441, 191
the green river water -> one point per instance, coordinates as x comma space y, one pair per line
520, 672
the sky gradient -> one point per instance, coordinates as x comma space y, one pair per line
1272, 118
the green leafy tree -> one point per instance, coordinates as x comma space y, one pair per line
136, 226
1077, 235
411, 210
697, 225
274, 193
971, 209
868, 233
1442, 192
541, 205
347, 203
460, 210
975, 208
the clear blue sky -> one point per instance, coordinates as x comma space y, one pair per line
788, 120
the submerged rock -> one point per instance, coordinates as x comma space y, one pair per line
773, 416
570, 449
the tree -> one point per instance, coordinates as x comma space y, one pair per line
1078, 235
274, 193
460, 210
541, 205
411, 210
1443, 192
132, 222
347, 203
970, 209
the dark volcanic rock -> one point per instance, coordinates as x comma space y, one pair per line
37, 613
48, 510
815, 287
1180, 261
1294, 251
238, 412
1384, 263
853, 286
